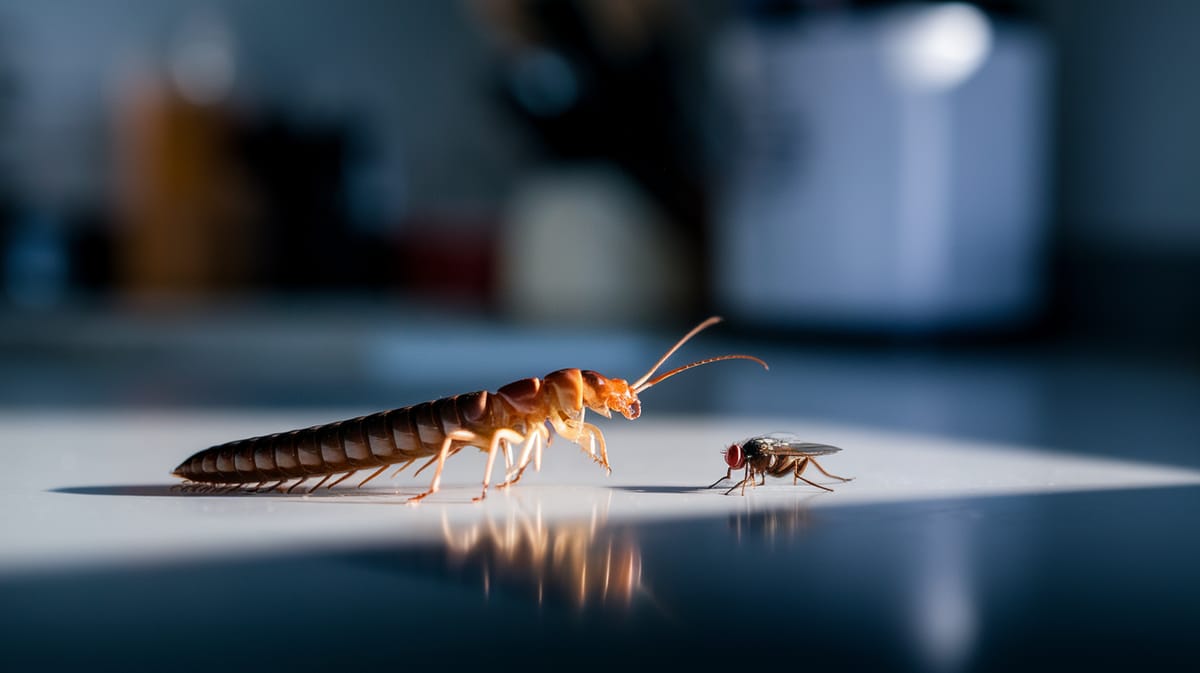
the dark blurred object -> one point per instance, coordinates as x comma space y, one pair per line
1128, 210
298, 178
602, 80
93, 255
212, 202
1144, 301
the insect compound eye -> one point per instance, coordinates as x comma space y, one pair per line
734, 457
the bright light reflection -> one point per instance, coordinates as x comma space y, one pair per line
946, 619
939, 47
948, 622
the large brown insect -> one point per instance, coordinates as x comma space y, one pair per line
777, 454
515, 415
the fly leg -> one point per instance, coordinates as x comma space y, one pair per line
501, 435
800, 465
451, 437
741, 483
800, 470
831, 476
727, 475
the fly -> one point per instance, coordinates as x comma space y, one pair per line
777, 454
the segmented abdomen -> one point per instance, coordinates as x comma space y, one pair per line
384, 438
782, 466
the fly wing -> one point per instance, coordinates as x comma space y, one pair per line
785, 445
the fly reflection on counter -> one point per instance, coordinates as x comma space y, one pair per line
771, 524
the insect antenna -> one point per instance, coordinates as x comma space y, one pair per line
646, 382
636, 385
662, 377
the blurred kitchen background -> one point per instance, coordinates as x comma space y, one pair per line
974, 218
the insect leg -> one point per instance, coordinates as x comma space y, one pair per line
727, 475
429, 462
342, 478
537, 449
597, 438
800, 465
433, 460
319, 483
741, 483
293, 486
575, 430
544, 440
272, 487
400, 469
511, 467
508, 458
503, 434
800, 468
533, 438
374, 474
451, 437
832, 476
813, 483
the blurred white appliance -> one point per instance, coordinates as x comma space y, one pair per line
887, 170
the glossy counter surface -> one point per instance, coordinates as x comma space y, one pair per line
941, 554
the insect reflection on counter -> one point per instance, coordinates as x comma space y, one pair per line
585, 564
519, 414
778, 455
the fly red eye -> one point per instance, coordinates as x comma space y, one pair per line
734, 457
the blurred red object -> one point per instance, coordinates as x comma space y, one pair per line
448, 258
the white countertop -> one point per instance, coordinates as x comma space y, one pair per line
93, 488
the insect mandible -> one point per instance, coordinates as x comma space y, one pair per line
776, 454
516, 415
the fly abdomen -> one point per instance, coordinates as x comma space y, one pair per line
781, 466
